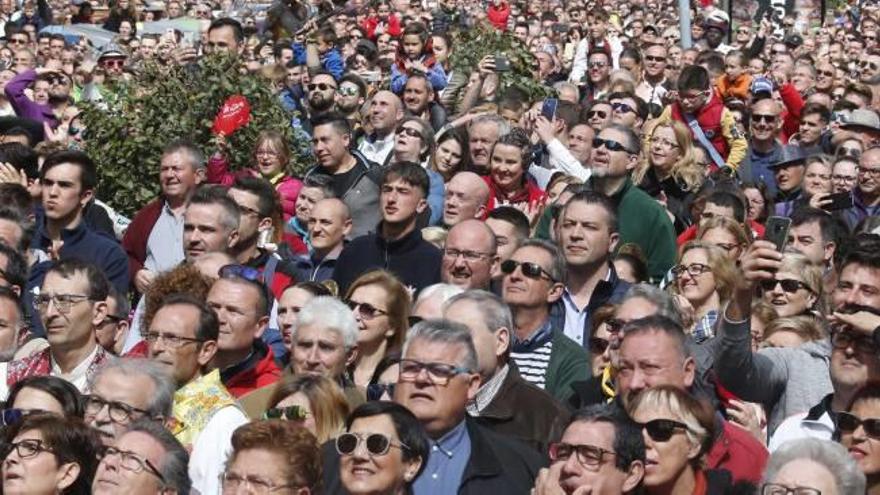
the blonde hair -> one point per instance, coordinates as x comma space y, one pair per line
805, 326
723, 269
435, 235
741, 234
809, 273
686, 171
326, 400
697, 415
398, 302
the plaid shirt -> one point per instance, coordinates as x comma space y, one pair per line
705, 327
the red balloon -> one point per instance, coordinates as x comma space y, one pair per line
233, 115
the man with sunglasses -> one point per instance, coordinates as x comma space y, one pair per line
764, 147
654, 85
146, 460
58, 90
321, 93
534, 279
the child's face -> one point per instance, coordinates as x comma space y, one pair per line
412, 46
732, 67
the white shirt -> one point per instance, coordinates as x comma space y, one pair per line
77, 375
797, 427
211, 449
378, 150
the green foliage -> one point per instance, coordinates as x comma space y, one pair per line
470, 46
127, 132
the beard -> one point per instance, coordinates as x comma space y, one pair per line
320, 104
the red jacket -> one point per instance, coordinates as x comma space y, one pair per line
257, 372
498, 16
791, 117
737, 451
392, 26
532, 195
709, 118
134, 242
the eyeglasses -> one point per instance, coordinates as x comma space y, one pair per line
366, 310
376, 443
469, 256
844, 178
347, 91
758, 118
622, 107
651, 58
610, 145
777, 489
615, 325
26, 448
529, 269
743, 31
849, 423
597, 65
438, 373
788, 285
132, 462
665, 143
119, 412
872, 172
597, 345
826, 73
17, 41
588, 456
594, 113
375, 391
844, 339
694, 269
168, 340
266, 153
320, 86
661, 430
236, 483
63, 302
870, 65
291, 413
409, 131
115, 63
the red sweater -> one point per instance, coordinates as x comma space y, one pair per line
259, 374
737, 451
498, 15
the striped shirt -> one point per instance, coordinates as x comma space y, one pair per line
532, 355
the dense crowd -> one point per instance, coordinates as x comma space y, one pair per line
660, 275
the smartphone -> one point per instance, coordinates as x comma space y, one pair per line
548, 109
776, 231
502, 64
839, 201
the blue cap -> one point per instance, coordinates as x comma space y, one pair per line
761, 85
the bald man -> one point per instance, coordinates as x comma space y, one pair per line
764, 147
386, 110
470, 256
329, 225
466, 197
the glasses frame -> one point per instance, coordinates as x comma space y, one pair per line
365, 440
588, 456
176, 342
63, 306
777, 489
439, 374
142, 464
126, 410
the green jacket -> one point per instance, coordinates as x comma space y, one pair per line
643, 221
569, 363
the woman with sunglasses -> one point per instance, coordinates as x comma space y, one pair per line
451, 155
383, 450
381, 306
600, 385
45, 454
859, 432
704, 280
796, 288
315, 402
678, 431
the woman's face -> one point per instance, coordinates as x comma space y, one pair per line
441, 50
724, 240
125, 29
372, 331
300, 399
756, 202
863, 448
363, 472
408, 145
37, 474
599, 358
506, 167
789, 303
625, 271
289, 306
268, 158
817, 179
783, 337
808, 474
32, 399
696, 282
665, 150
447, 158
664, 461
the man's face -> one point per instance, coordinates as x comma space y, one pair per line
10, 322
319, 351
222, 39
584, 234
401, 202
203, 231
607, 478
869, 172
438, 407
464, 199
598, 68
63, 195
174, 10
612, 163
807, 238
802, 79
111, 478
580, 142
348, 97
811, 129
527, 292
651, 358
235, 303
305, 201
131, 390
599, 116
251, 219
385, 112
655, 61
482, 138
505, 237
330, 146
625, 113
765, 122
148, 47
468, 259
714, 36
322, 92
417, 96
179, 177
844, 176
74, 328
328, 225
183, 362
521, 33
490, 343
869, 69
825, 74
789, 177
41, 92
857, 284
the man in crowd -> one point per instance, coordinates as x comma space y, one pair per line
329, 224
470, 255
483, 132
466, 197
210, 223
866, 195
385, 111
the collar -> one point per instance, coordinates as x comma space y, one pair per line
539, 337
408, 241
488, 391
77, 371
275, 179
69, 236
824, 406
259, 350
452, 440
374, 139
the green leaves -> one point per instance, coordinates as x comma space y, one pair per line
162, 104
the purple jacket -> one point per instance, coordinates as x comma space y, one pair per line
25, 107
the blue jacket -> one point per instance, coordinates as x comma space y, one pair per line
308, 269
606, 291
436, 196
435, 74
331, 61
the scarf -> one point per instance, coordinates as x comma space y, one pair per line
195, 404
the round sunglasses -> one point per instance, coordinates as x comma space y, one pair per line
376, 443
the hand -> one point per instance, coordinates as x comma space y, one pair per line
143, 279
750, 416
760, 262
861, 321
820, 200
531, 210
545, 129
9, 175
685, 310
778, 77
54, 135
416, 65
487, 65
184, 55
547, 482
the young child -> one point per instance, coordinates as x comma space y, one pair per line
415, 54
736, 81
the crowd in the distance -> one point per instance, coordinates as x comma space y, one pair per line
662, 278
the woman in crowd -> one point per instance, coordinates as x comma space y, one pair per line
762, 314
121, 10
42, 394
271, 161
381, 306
630, 264
792, 331
452, 154
292, 300
508, 179
414, 141
759, 201
726, 234
678, 431
808, 464
383, 450
704, 281
279, 454
47, 454
797, 288
314, 402
859, 430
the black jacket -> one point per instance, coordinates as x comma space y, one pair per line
413, 260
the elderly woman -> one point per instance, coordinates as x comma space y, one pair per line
704, 280
859, 429
325, 340
46, 454
808, 464
382, 451
271, 456
796, 288
792, 331
315, 402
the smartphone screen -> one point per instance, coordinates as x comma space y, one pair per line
776, 231
548, 109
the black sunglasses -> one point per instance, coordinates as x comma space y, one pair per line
600, 113
375, 391
320, 86
598, 345
789, 285
849, 423
622, 107
651, 58
758, 118
529, 269
661, 430
366, 310
610, 144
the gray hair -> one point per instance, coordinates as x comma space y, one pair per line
633, 144
162, 399
444, 332
331, 314
493, 310
176, 459
847, 475
194, 155
442, 291
557, 265
493, 118
660, 299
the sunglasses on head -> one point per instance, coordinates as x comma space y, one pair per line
376, 443
789, 285
529, 269
661, 430
320, 86
291, 413
609, 144
375, 391
849, 423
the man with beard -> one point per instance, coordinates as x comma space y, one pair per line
764, 147
386, 110
418, 98
51, 95
869, 73
321, 93
350, 98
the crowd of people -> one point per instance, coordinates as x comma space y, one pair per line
661, 277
